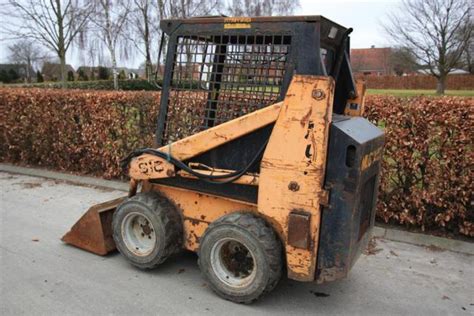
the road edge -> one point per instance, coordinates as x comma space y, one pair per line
378, 231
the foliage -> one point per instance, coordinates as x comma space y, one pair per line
104, 73
13, 75
427, 169
428, 162
5, 76
122, 75
70, 75
81, 75
128, 84
39, 76
135, 84
87, 132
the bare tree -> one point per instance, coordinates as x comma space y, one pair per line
467, 61
261, 7
188, 8
402, 60
109, 24
433, 31
26, 53
144, 18
53, 23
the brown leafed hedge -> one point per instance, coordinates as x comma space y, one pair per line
428, 161
79, 131
427, 170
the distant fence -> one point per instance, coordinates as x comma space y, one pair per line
455, 82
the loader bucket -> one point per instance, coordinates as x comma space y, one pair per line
93, 231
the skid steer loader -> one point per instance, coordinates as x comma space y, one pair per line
263, 163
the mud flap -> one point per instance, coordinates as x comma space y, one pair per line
93, 231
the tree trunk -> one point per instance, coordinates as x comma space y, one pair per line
441, 85
62, 58
114, 69
110, 41
148, 62
148, 68
28, 67
115, 74
61, 43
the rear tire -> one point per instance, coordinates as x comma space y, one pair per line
241, 257
147, 229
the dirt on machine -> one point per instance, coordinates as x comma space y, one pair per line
263, 163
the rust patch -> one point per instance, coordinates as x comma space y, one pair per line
93, 231
306, 117
299, 229
318, 94
299, 276
196, 238
194, 222
331, 274
293, 186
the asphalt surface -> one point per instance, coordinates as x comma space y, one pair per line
42, 276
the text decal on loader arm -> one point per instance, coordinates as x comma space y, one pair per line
237, 23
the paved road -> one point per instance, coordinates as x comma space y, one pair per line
48, 277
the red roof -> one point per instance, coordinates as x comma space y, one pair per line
371, 59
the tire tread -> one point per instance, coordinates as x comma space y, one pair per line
170, 218
271, 245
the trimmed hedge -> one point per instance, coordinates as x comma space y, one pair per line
427, 168
425, 82
125, 85
428, 161
79, 131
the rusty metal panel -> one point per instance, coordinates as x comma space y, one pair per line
200, 209
356, 106
93, 231
299, 229
150, 167
292, 176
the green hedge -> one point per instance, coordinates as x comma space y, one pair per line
124, 85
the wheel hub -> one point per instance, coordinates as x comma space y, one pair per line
138, 234
233, 263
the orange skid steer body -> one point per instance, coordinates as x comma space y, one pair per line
265, 160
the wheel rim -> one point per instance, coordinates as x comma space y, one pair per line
138, 234
233, 263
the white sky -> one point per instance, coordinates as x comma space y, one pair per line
364, 16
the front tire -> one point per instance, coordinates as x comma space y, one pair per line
147, 230
241, 257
